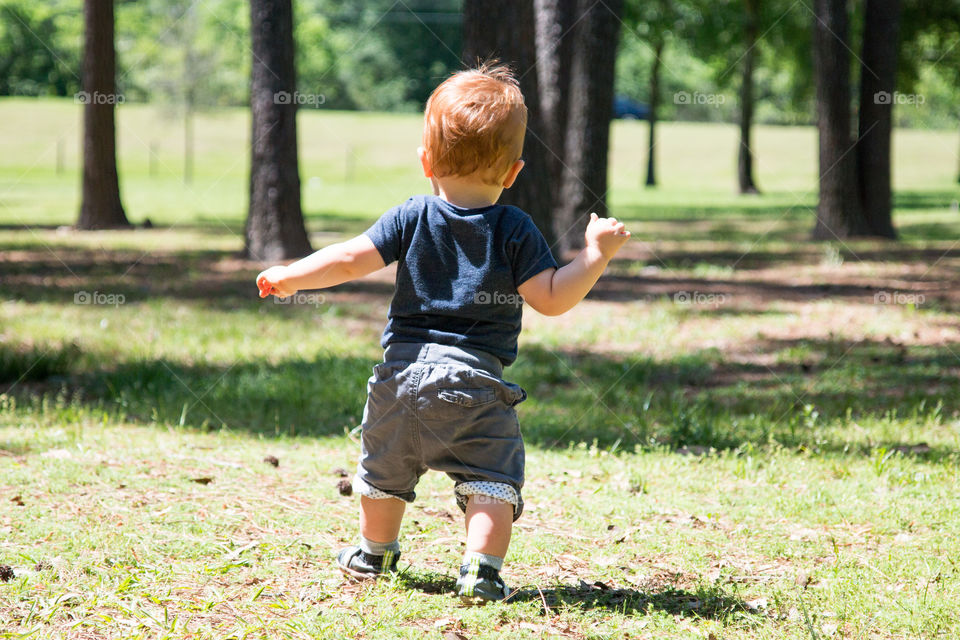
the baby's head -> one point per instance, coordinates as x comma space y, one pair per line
474, 125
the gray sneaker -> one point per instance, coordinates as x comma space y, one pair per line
357, 563
480, 584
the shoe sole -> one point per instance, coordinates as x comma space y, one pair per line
359, 575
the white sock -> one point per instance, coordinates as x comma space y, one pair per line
378, 548
483, 558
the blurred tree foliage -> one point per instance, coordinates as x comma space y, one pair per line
383, 55
40, 47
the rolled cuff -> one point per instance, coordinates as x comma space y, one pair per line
496, 490
366, 489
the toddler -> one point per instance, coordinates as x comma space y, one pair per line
466, 266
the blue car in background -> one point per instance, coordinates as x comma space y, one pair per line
624, 107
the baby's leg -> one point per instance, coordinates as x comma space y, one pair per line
489, 525
379, 548
380, 518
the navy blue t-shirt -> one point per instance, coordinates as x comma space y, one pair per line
458, 272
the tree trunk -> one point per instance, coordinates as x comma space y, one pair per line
505, 29
658, 48
100, 206
745, 154
275, 229
554, 46
584, 177
838, 213
877, 84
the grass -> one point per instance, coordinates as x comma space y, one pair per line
740, 434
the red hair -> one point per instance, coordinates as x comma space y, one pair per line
474, 123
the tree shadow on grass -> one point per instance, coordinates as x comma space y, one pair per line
708, 601
814, 396
212, 278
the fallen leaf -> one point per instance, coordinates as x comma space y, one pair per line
803, 579
18, 500
272, 460
202, 480
341, 472
444, 622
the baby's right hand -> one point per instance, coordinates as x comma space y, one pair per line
273, 281
606, 235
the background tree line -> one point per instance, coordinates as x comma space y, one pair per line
368, 56
565, 53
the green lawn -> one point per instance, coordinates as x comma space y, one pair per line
740, 434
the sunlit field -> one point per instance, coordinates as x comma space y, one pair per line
739, 434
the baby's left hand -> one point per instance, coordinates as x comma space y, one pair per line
606, 234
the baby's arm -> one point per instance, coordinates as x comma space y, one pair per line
330, 266
556, 291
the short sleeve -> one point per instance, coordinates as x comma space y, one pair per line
528, 251
387, 234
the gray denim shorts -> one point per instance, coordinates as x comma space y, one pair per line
432, 406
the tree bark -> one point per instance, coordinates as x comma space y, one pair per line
745, 154
275, 229
505, 30
877, 85
838, 212
584, 177
658, 48
554, 45
100, 206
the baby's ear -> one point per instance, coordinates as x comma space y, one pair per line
512, 174
425, 162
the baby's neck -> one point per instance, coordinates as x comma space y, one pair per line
466, 193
